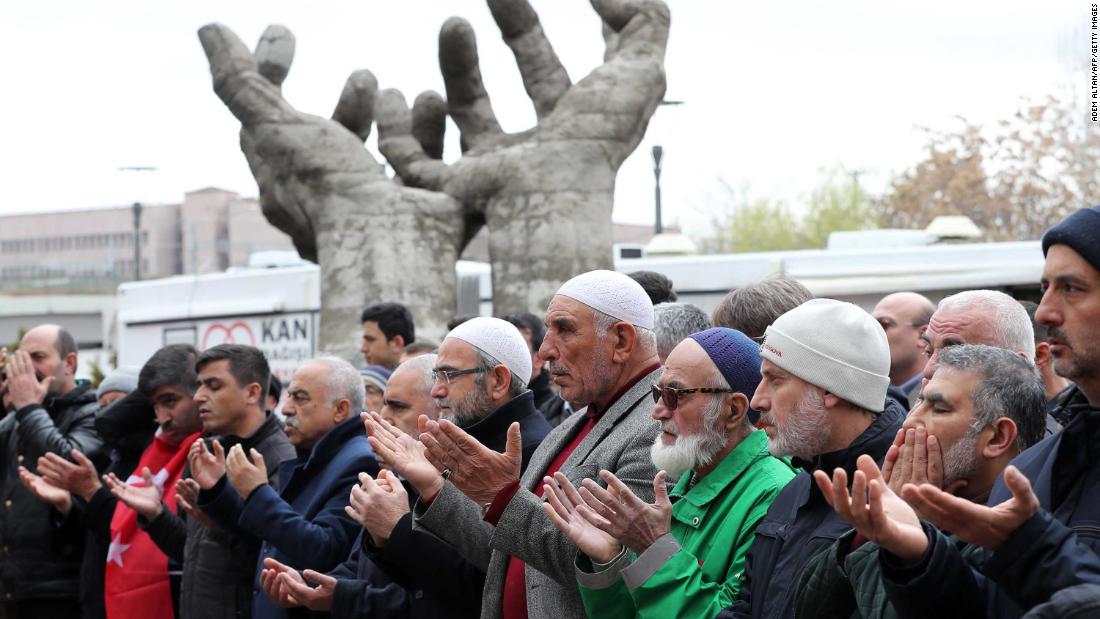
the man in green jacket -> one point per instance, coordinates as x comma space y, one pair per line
684, 554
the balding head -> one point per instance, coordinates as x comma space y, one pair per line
903, 316
978, 317
53, 352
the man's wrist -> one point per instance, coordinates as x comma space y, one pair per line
430, 491
89, 491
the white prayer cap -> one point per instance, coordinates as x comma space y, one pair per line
612, 293
499, 339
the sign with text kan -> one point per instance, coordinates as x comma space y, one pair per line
288, 340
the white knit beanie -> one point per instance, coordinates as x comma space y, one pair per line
499, 339
833, 345
612, 293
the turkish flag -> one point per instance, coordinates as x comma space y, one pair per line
136, 582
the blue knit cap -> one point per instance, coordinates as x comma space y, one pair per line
736, 356
1081, 231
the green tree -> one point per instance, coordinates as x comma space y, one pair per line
759, 225
838, 203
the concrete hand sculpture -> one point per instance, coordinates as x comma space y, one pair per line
373, 238
545, 193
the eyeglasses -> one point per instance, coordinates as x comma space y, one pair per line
449, 375
671, 395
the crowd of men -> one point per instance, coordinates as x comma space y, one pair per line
625, 455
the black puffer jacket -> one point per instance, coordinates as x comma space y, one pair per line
800, 524
219, 565
39, 551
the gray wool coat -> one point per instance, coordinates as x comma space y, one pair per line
619, 442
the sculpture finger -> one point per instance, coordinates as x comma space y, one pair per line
287, 216
467, 100
237, 80
400, 148
275, 53
355, 109
544, 77
610, 42
642, 25
429, 122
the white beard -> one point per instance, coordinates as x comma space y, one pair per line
690, 452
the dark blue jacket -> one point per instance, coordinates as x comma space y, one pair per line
800, 523
304, 525
437, 580
1056, 548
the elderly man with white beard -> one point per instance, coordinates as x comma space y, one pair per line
684, 554
822, 396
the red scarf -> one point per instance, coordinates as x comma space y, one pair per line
136, 583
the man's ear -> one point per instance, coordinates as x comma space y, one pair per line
1002, 439
625, 339
498, 380
256, 394
831, 401
70, 363
1042, 354
736, 406
397, 343
343, 410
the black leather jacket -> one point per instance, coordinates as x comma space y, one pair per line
40, 551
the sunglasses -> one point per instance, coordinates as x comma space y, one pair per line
671, 395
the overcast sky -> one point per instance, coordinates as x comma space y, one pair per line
774, 91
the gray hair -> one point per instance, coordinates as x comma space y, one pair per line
486, 363
751, 309
1008, 387
676, 321
647, 339
718, 380
425, 364
1011, 325
343, 382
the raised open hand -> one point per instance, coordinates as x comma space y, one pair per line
272, 584
187, 497
565, 508
143, 499
207, 466
402, 454
59, 498
976, 524
874, 510
477, 471
378, 505
78, 476
320, 185
621, 514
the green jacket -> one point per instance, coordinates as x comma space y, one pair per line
694, 570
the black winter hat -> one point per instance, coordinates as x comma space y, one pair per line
1081, 231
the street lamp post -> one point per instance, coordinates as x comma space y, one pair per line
658, 152
137, 219
137, 241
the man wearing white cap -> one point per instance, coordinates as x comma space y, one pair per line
480, 383
602, 351
822, 392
